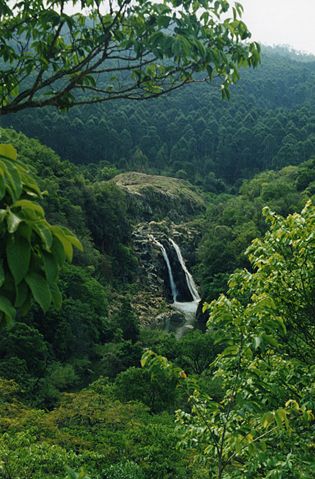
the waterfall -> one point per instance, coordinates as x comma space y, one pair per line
189, 279
169, 269
188, 308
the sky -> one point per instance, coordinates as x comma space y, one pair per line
282, 22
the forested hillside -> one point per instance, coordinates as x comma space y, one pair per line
97, 335
139, 372
236, 220
267, 123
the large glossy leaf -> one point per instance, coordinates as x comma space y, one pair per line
7, 309
42, 229
70, 237
18, 256
8, 151
64, 240
12, 179
58, 251
50, 267
13, 222
40, 290
31, 208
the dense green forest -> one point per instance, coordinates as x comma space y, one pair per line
267, 123
98, 389
96, 342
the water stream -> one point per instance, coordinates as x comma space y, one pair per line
188, 308
169, 269
189, 279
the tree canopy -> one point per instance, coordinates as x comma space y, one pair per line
267, 123
62, 52
258, 420
32, 250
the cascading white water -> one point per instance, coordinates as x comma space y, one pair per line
169, 269
189, 308
189, 279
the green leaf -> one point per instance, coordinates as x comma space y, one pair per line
40, 290
7, 309
31, 186
50, 267
56, 296
34, 208
3, 214
268, 419
71, 237
75, 242
66, 243
13, 180
13, 222
268, 339
58, 251
257, 342
18, 256
2, 276
44, 233
283, 326
281, 417
230, 351
8, 151
25, 231
21, 294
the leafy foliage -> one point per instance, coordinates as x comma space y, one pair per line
261, 425
134, 50
48, 353
237, 220
268, 123
89, 427
33, 251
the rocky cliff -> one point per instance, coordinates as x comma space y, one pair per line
160, 197
162, 208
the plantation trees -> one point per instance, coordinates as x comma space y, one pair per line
67, 52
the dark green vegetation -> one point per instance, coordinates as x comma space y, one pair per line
259, 419
236, 220
33, 251
73, 393
268, 123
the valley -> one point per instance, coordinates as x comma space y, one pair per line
184, 344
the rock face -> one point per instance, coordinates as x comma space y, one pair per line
154, 277
160, 197
162, 208
170, 320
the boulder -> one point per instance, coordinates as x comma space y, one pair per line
153, 197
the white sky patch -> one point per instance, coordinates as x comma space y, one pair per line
282, 22
272, 22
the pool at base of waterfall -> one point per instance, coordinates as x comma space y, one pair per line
189, 310
190, 307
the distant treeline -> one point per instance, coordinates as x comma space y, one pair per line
268, 123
